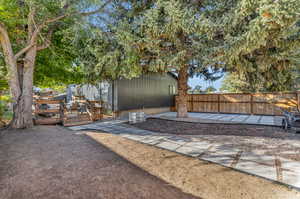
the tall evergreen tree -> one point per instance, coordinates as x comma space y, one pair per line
261, 42
165, 37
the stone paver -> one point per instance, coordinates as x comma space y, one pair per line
235, 118
290, 175
234, 151
168, 145
224, 160
261, 165
190, 151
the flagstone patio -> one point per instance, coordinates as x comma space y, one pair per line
237, 152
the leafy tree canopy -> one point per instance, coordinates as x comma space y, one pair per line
56, 65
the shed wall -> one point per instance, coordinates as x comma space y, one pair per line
147, 91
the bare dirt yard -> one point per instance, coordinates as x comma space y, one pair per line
55, 163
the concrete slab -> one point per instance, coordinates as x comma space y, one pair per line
226, 151
225, 160
135, 137
261, 165
264, 159
194, 152
168, 145
236, 118
228, 118
89, 126
253, 167
150, 140
199, 145
290, 172
125, 135
178, 140
76, 128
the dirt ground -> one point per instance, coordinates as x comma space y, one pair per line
55, 163
191, 128
198, 177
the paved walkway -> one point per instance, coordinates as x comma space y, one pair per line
228, 118
238, 152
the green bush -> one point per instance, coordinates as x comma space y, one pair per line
5, 113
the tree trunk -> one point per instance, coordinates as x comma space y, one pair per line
182, 93
23, 107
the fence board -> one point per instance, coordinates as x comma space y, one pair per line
246, 103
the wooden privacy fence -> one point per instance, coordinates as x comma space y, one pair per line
244, 103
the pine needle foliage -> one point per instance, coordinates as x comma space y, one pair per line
261, 42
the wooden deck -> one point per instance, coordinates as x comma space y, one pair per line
48, 111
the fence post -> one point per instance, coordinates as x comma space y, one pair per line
192, 102
219, 103
251, 104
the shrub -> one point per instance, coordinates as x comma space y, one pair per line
5, 113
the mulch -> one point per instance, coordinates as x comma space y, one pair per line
192, 128
272, 140
51, 162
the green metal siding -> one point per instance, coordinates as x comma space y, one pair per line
147, 91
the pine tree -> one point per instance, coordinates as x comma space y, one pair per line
261, 42
168, 37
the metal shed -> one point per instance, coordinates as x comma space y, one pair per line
147, 91
151, 93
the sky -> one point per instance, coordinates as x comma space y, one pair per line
204, 84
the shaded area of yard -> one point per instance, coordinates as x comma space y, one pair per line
52, 162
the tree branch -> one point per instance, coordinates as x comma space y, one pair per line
6, 44
47, 42
24, 50
30, 22
44, 46
45, 23
10, 62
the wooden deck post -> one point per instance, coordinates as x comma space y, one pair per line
251, 104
